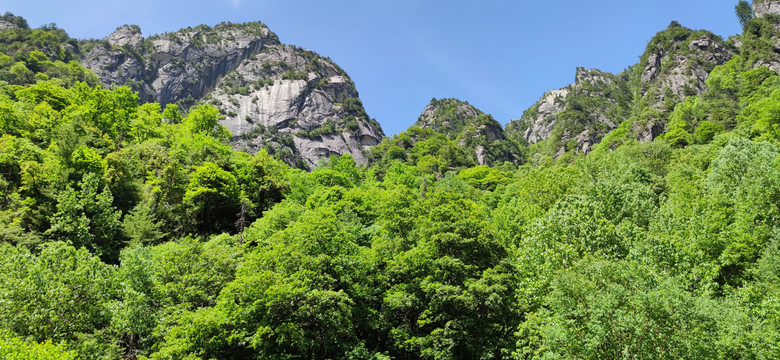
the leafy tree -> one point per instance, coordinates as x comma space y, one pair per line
140, 226
744, 12
171, 114
436, 304
86, 218
606, 310
204, 119
483, 177
263, 181
57, 295
212, 198
293, 296
17, 348
159, 282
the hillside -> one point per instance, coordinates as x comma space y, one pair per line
576, 117
632, 215
291, 102
449, 134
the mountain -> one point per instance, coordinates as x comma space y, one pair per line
639, 214
292, 102
449, 134
765, 7
674, 66
577, 116
475, 131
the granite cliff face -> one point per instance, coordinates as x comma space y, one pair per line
290, 101
174, 67
577, 116
7, 25
296, 104
761, 39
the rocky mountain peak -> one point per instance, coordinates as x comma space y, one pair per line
7, 25
178, 67
675, 65
592, 76
448, 116
766, 7
577, 116
9, 21
296, 104
680, 59
477, 132
126, 35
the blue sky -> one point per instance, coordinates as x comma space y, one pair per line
500, 56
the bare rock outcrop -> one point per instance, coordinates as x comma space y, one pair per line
766, 7
174, 67
675, 65
292, 102
577, 116
297, 104
126, 35
7, 25
680, 67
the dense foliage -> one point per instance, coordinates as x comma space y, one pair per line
132, 231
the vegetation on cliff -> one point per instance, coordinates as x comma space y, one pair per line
133, 230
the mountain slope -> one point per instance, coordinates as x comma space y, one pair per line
478, 133
174, 67
674, 66
130, 232
577, 116
296, 104
449, 134
292, 102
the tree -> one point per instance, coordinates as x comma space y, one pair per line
744, 12
86, 218
56, 295
204, 119
159, 282
213, 198
613, 310
17, 348
171, 114
298, 295
451, 294
263, 182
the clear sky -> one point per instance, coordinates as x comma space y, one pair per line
498, 55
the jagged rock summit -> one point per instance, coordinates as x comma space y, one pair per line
577, 116
6, 25
174, 67
674, 66
292, 102
297, 103
477, 132
127, 35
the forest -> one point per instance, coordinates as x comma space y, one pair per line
133, 230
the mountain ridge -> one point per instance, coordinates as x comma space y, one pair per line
281, 98
303, 108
